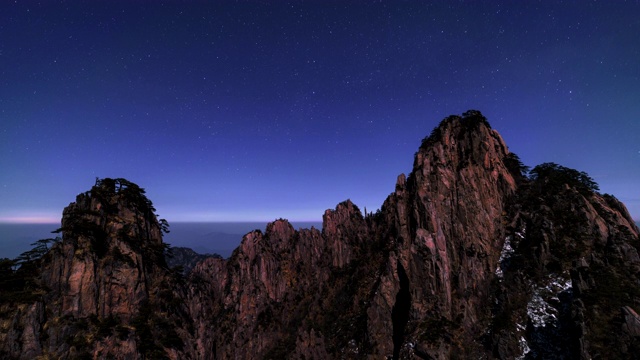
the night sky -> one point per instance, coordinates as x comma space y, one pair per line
254, 111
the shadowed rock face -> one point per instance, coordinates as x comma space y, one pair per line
467, 258
574, 271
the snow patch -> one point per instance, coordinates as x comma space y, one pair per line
507, 252
524, 346
540, 309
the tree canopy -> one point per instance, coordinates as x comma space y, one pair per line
515, 165
552, 174
107, 187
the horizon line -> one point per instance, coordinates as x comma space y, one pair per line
50, 221
31, 221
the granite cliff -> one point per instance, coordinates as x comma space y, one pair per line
104, 291
472, 256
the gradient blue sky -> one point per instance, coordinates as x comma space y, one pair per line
253, 111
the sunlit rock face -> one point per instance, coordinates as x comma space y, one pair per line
467, 258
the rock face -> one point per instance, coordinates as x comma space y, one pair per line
467, 258
571, 284
98, 285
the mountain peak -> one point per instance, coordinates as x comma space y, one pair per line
471, 120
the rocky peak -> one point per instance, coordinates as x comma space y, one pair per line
463, 142
112, 242
113, 207
278, 232
446, 220
102, 277
344, 228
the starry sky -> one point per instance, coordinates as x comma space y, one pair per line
252, 111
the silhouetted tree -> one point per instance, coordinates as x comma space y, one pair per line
164, 226
472, 117
553, 175
515, 165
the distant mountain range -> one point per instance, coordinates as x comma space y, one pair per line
216, 237
186, 258
472, 256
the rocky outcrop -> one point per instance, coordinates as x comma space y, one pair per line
468, 258
448, 218
574, 267
277, 286
99, 282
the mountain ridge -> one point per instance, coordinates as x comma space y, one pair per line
471, 256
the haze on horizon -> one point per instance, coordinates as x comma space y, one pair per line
257, 111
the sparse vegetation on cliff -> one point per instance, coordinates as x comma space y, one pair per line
552, 176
